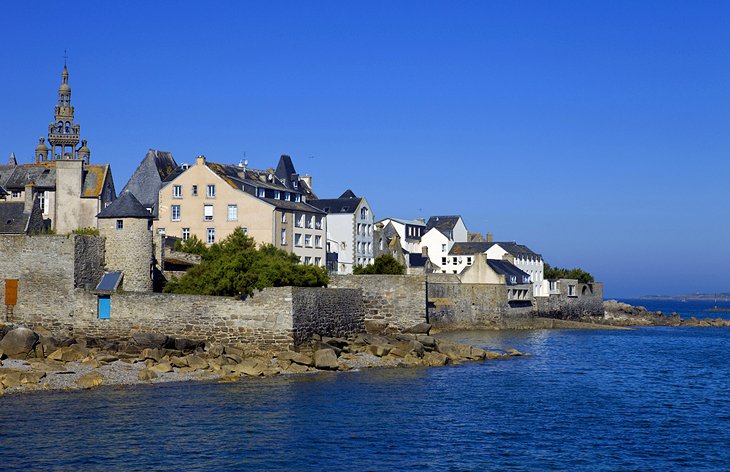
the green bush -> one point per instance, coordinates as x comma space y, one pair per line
193, 245
385, 264
86, 231
236, 267
552, 273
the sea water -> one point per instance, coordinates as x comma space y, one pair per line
643, 399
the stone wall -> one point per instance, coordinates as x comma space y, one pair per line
453, 306
587, 301
129, 249
398, 299
327, 312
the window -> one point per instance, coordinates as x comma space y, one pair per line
283, 217
318, 261
295, 183
104, 307
359, 229
370, 248
380, 244
571, 290
277, 194
455, 260
318, 223
195, 191
443, 261
310, 221
307, 260
245, 231
318, 241
261, 192
177, 191
468, 260
297, 198
42, 200
175, 210
298, 239
308, 240
208, 212
120, 224
363, 213
185, 234
16, 193
300, 221
443, 248
287, 196
210, 191
283, 237
232, 212
211, 235
161, 231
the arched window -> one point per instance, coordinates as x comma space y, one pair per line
59, 125
363, 213
68, 127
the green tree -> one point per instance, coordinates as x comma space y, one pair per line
236, 267
193, 245
385, 264
551, 273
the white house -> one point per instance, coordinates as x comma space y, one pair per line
441, 232
350, 226
409, 231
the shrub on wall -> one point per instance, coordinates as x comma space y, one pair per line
236, 267
193, 245
86, 231
552, 273
385, 264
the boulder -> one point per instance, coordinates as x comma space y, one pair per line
426, 340
146, 374
90, 380
405, 348
296, 369
295, 357
379, 350
232, 350
19, 343
196, 362
68, 354
107, 358
339, 343
454, 351
178, 361
150, 353
250, 367
150, 340
325, 359
182, 344
420, 328
215, 349
435, 359
376, 326
161, 368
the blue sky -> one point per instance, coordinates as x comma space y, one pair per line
594, 132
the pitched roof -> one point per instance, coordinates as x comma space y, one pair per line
285, 169
516, 250
442, 223
403, 221
147, 179
470, 248
94, 177
13, 220
126, 206
43, 176
519, 250
508, 270
296, 206
347, 203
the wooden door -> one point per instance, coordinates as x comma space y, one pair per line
11, 292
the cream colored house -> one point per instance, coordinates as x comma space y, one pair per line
210, 200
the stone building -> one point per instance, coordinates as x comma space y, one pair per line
70, 190
127, 227
147, 179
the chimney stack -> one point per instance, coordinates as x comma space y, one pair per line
30, 195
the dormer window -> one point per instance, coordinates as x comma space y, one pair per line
277, 194
287, 196
261, 192
295, 183
297, 198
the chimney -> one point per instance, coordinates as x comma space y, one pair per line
509, 258
200, 160
490, 238
30, 195
307, 179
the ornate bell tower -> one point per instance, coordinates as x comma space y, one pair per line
63, 133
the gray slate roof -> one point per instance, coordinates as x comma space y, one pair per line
12, 218
347, 203
517, 250
507, 269
294, 206
146, 181
126, 206
442, 223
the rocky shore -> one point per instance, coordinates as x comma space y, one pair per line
623, 314
33, 360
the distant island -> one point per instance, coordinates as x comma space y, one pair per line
721, 297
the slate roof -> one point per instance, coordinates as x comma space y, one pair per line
507, 269
147, 179
285, 169
15, 177
3, 192
407, 222
347, 203
445, 224
13, 220
296, 206
517, 250
126, 206
417, 260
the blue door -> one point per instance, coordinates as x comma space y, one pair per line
105, 307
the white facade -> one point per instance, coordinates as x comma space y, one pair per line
351, 234
532, 266
409, 231
439, 243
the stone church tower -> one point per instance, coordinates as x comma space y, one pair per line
63, 133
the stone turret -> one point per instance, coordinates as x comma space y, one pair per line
127, 227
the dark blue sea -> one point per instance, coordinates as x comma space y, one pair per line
685, 309
644, 399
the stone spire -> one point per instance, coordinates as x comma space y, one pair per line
63, 133
12, 161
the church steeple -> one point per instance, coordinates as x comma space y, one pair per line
63, 133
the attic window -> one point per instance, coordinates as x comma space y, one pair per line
345, 209
9, 222
120, 224
326, 209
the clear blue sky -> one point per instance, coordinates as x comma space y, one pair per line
595, 133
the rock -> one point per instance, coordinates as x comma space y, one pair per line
178, 361
185, 345
215, 350
426, 340
420, 328
296, 369
19, 343
454, 351
515, 353
376, 326
231, 350
146, 374
150, 340
296, 358
232, 358
90, 380
196, 362
161, 368
317, 345
150, 353
68, 354
339, 343
325, 359
91, 362
435, 359
493, 355
379, 350
250, 367
405, 348
107, 358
